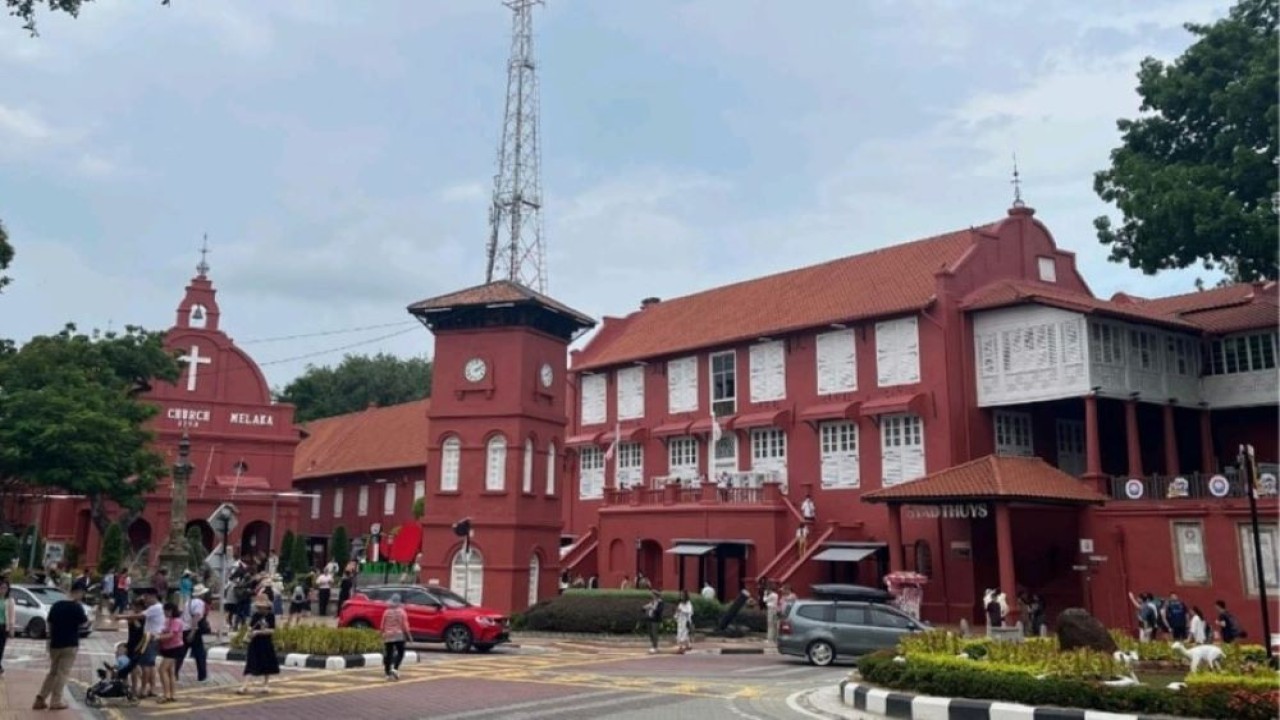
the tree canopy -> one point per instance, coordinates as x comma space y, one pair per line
1195, 177
357, 382
72, 418
25, 10
6, 255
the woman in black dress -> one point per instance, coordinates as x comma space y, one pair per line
260, 658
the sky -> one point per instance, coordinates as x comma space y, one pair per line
340, 155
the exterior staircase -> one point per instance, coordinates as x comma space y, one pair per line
580, 550
785, 564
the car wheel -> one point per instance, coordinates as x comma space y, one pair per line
35, 628
361, 624
484, 647
457, 638
820, 653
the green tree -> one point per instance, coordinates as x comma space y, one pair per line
1195, 177
357, 382
419, 508
6, 255
340, 546
113, 549
9, 549
72, 419
285, 552
196, 551
25, 10
298, 559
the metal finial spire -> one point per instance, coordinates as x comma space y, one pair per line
203, 267
1017, 184
515, 247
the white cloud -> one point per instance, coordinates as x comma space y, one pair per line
466, 192
24, 125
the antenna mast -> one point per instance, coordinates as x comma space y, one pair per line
515, 250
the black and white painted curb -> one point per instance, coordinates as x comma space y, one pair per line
222, 653
909, 706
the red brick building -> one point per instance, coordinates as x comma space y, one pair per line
939, 359
242, 443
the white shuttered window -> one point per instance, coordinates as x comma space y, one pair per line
768, 371
551, 469
837, 363
682, 385
337, 503
838, 447
593, 399
630, 393
682, 456
769, 452
630, 465
897, 352
362, 501
591, 473
389, 499
495, 471
527, 477
450, 459
901, 448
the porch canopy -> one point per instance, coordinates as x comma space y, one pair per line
698, 549
976, 489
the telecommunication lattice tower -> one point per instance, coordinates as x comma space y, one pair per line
515, 249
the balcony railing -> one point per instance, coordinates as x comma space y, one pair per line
1189, 486
675, 492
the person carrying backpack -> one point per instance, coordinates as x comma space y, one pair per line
1176, 617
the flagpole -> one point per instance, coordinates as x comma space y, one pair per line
1249, 467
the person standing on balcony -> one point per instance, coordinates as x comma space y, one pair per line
808, 510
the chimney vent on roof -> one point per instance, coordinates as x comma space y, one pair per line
649, 302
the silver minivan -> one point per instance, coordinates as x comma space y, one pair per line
822, 630
31, 609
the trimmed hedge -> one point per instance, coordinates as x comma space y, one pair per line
316, 640
622, 612
1218, 698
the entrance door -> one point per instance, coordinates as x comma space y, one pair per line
1071, 457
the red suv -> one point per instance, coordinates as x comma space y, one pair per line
435, 615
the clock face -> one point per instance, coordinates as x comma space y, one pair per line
475, 370
546, 375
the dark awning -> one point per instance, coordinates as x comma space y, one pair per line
584, 439
672, 429
767, 418
690, 549
893, 404
844, 554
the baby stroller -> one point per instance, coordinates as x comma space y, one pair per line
112, 684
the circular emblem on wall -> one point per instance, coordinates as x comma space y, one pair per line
1219, 486
1133, 489
1267, 485
475, 370
546, 375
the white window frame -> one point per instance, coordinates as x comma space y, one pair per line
681, 374
682, 458
551, 469
901, 445
315, 506
362, 501
898, 352
450, 463
389, 498
419, 490
1106, 344
722, 460
337, 502
1014, 433
594, 399
629, 392
535, 570
1048, 268
495, 465
1069, 435
591, 473
1270, 535
526, 480
630, 467
1188, 541
836, 358
768, 371
769, 451
838, 459
723, 403
1144, 347
472, 589
1253, 352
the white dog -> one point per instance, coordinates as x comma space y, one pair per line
1210, 655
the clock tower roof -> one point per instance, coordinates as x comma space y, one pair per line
500, 303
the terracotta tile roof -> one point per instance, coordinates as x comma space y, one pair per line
1004, 293
369, 440
884, 282
992, 477
1247, 306
501, 291
1199, 300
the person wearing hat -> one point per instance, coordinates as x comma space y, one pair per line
260, 657
195, 619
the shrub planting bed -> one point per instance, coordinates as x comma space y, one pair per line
622, 612
1036, 672
317, 640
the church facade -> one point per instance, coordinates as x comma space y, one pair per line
242, 446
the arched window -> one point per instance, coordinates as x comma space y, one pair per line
450, 458
551, 469
466, 576
495, 474
924, 558
527, 483
535, 568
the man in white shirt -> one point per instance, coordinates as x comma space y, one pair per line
708, 592
191, 622
808, 509
771, 608
324, 589
152, 625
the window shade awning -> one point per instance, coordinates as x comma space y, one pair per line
581, 440
895, 404
831, 411
690, 549
674, 429
768, 418
632, 434
844, 554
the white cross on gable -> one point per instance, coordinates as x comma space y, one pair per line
193, 361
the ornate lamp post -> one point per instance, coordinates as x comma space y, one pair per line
176, 555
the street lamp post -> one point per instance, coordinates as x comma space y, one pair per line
176, 553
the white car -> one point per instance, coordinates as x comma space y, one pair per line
31, 609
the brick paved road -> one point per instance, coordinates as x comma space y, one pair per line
558, 682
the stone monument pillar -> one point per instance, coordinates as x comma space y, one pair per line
175, 555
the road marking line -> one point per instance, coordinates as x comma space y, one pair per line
530, 704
